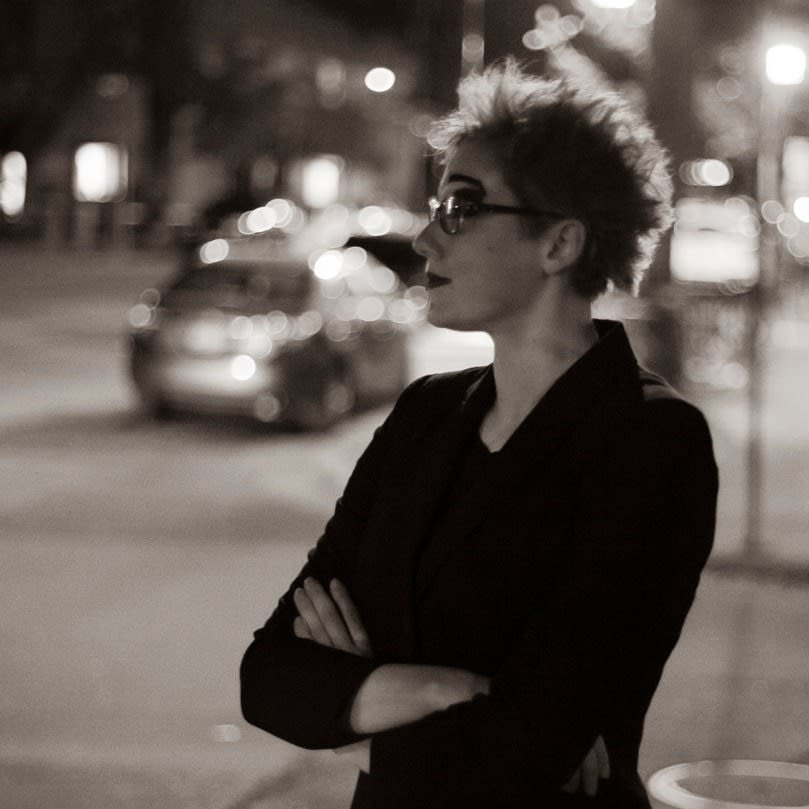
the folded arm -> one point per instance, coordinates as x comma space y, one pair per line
393, 694
302, 691
397, 694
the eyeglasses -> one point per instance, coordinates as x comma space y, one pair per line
452, 211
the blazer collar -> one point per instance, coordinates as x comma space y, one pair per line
608, 370
610, 364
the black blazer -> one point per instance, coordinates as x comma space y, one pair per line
567, 583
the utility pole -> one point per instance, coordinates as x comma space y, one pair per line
783, 66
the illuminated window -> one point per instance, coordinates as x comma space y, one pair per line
13, 174
100, 172
320, 180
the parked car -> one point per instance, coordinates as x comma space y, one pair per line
247, 327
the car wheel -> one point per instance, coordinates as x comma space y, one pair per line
155, 407
336, 400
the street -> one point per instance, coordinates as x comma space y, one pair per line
136, 558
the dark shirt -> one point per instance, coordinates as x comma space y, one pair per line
461, 494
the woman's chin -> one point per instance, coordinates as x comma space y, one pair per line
443, 320
438, 318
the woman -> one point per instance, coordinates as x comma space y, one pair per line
486, 617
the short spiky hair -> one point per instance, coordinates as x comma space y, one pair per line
577, 148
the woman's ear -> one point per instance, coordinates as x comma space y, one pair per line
562, 245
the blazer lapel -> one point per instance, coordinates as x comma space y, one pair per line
608, 368
412, 496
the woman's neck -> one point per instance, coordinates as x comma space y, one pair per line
528, 359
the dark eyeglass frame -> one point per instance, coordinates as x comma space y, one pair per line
452, 211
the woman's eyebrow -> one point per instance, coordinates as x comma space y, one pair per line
465, 178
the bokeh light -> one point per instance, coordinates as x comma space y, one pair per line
243, 367
728, 88
374, 220
771, 210
380, 79
707, 172
141, 316
370, 308
283, 210
214, 250
534, 40
788, 225
354, 258
382, 280
328, 264
801, 208
613, 3
240, 328
260, 220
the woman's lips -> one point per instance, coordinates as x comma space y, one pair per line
434, 280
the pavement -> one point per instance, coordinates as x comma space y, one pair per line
736, 687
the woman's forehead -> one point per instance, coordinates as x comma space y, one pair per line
474, 164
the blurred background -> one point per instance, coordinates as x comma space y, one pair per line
209, 301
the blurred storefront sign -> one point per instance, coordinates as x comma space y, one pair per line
715, 241
13, 181
100, 172
795, 181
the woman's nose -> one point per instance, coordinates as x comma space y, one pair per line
424, 244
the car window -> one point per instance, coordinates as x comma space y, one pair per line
278, 286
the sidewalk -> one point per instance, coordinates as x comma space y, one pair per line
736, 687
785, 457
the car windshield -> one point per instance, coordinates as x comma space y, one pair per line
255, 286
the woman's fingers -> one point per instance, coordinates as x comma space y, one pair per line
603, 758
573, 784
306, 610
595, 765
351, 617
589, 773
330, 620
329, 616
300, 630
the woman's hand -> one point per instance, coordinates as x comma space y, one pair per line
595, 765
333, 620
330, 618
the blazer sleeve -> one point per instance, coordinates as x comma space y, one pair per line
294, 688
643, 532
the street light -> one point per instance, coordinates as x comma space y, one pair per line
380, 79
785, 64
